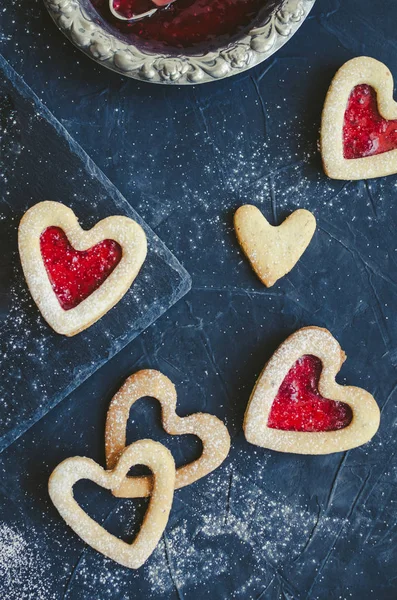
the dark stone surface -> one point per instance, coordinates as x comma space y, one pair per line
264, 525
38, 367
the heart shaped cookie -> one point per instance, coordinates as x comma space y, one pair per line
359, 122
297, 406
76, 276
209, 429
273, 251
145, 452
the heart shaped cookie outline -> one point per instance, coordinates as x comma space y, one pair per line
123, 230
209, 429
147, 452
358, 71
318, 342
273, 251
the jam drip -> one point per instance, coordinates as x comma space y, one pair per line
183, 23
365, 132
299, 406
75, 274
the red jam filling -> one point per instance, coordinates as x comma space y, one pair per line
299, 406
183, 23
75, 274
365, 132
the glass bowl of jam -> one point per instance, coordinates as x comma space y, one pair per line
184, 42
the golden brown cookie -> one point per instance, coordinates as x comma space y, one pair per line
273, 251
297, 406
76, 276
358, 129
208, 428
145, 452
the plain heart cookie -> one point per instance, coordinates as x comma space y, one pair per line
76, 276
145, 452
208, 428
273, 251
297, 406
359, 122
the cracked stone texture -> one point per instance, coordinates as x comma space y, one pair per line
264, 526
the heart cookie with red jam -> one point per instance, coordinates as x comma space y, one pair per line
145, 452
208, 428
297, 406
76, 276
359, 122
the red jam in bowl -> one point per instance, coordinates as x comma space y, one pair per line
183, 23
365, 132
299, 405
74, 274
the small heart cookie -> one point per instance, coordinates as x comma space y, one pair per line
359, 122
145, 452
297, 406
273, 251
209, 429
76, 276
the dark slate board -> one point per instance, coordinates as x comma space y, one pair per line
39, 161
265, 526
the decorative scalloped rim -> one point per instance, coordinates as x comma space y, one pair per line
105, 48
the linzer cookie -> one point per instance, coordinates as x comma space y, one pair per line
145, 452
297, 406
359, 122
76, 276
273, 251
208, 428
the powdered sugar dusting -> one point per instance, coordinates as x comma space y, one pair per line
208, 428
23, 573
265, 526
320, 343
37, 367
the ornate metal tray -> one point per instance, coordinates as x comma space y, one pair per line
82, 25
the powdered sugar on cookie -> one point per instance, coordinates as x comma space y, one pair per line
320, 343
124, 231
146, 452
356, 72
208, 428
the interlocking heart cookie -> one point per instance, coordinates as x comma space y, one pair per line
359, 122
144, 452
76, 276
209, 429
297, 406
273, 251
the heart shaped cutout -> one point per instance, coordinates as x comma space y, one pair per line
273, 251
70, 471
297, 406
208, 428
359, 122
76, 276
